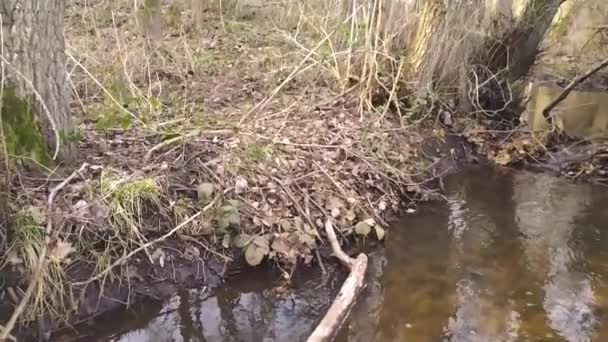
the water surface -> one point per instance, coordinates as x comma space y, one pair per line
582, 114
508, 257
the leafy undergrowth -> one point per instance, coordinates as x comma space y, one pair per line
194, 121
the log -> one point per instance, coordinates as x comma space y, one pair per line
346, 298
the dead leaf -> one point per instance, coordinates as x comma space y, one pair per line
13, 259
503, 158
81, 209
280, 246
310, 230
226, 241
363, 228
254, 254
204, 191
333, 203
262, 242
379, 232
286, 226
61, 250
335, 212
242, 240
240, 186
350, 215
38, 214
382, 205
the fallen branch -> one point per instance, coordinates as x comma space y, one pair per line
177, 139
50, 237
150, 243
345, 300
571, 86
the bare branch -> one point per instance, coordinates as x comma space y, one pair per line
571, 86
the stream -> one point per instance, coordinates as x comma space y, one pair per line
509, 256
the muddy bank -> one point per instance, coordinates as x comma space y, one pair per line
480, 265
183, 262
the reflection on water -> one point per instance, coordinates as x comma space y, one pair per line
519, 257
583, 114
253, 307
508, 257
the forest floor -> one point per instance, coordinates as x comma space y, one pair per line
212, 146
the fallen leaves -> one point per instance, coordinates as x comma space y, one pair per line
240, 186
256, 247
61, 250
363, 228
204, 192
229, 215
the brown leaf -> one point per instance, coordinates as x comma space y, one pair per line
363, 228
204, 191
335, 212
240, 186
226, 241
382, 205
254, 255
61, 250
350, 215
334, 202
379, 232
262, 242
242, 240
38, 214
280, 246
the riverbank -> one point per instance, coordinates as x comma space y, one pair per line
205, 152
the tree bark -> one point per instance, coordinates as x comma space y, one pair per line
520, 45
34, 67
430, 19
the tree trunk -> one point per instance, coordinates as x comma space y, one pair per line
520, 45
35, 84
430, 20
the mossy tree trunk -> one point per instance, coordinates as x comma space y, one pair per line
35, 97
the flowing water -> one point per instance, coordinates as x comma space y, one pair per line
509, 256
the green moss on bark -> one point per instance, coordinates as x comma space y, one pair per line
23, 137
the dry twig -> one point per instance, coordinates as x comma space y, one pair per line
177, 139
571, 86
